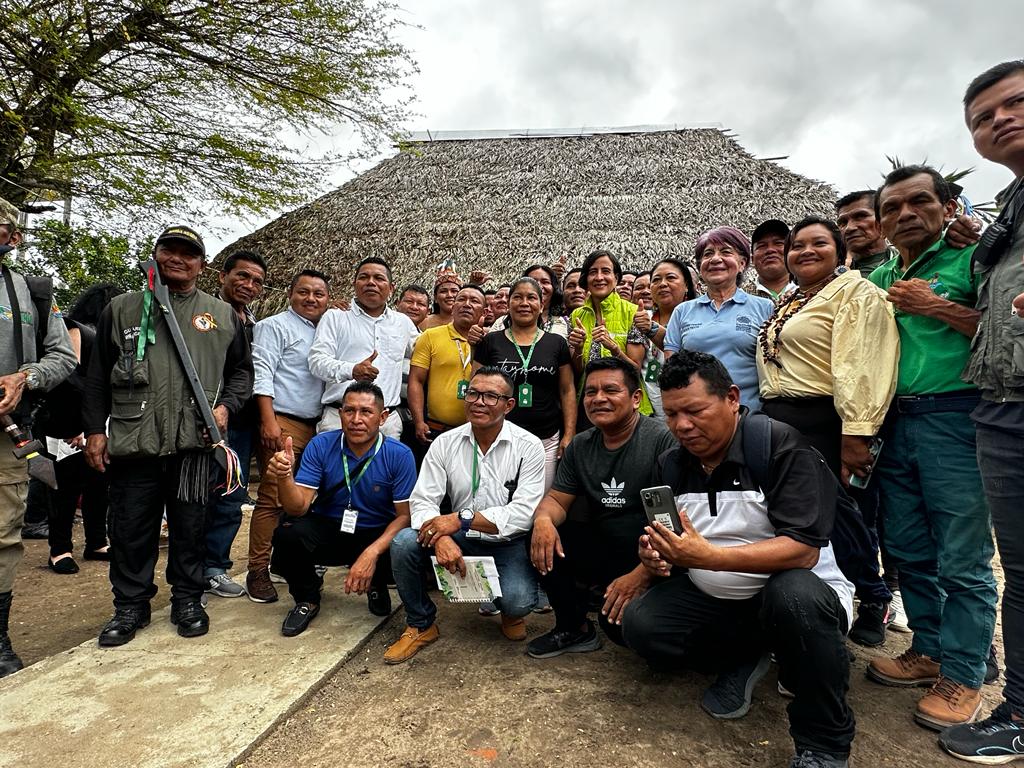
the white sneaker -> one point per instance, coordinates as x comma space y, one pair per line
278, 578
223, 586
897, 616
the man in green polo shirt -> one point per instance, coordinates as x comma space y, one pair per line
937, 525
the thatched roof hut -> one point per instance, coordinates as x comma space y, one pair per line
502, 200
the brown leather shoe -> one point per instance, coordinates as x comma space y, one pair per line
259, 587
948, 703
908, 670
513, 629
409, 644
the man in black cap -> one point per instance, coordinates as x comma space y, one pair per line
158, 450
768, 252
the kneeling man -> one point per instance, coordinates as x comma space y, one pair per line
347, 501
752, 571
493, 472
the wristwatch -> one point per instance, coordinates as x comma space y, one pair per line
31, 378
653, 330
466, 519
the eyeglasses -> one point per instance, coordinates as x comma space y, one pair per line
489, 398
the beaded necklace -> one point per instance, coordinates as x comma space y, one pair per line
769, 336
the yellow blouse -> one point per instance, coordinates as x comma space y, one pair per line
843, 343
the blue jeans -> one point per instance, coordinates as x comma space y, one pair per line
410, 561
999, 457
224, 513
938, 532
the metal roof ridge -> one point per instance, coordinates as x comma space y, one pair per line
431, 135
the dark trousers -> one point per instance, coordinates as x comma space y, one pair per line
854, 542
999, 457
140, 489
77, 479
797, 616
300, 543
592, 561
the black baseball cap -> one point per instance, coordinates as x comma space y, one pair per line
769, 227
183, 234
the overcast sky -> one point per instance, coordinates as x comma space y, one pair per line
833, 85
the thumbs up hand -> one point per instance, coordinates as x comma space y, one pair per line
474, 334
280, 464
365, 371
577, 335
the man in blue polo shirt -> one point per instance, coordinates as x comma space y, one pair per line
347, 501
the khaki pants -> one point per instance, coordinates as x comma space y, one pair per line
267, 513
13, 494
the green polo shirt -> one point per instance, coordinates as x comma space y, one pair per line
932, 354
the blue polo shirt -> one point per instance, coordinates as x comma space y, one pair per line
390, 478
729, 333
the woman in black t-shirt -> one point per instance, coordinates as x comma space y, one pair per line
540, 368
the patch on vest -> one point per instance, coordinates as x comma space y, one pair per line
204, 322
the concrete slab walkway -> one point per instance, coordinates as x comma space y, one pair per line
163, 701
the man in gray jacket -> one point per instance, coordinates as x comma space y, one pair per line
994, 112
21, 369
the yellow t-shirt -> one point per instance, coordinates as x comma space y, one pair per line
448, 358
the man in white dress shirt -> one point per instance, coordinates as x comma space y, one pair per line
368, 342
493, 471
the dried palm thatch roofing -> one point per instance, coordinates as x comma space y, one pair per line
500, 201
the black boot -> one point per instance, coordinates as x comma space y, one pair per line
121, 629
9, 661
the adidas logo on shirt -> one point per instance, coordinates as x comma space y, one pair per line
614, 491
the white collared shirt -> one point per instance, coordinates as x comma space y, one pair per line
280, 358
346, 338
448, 469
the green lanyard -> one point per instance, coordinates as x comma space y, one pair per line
476, 470
529, 355
366, 465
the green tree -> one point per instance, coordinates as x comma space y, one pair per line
77, 258
146, 107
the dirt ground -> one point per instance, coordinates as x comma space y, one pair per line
475, 699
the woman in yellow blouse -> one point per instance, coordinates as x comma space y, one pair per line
827, 358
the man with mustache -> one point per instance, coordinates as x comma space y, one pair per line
936, 524
768, 254
241, 283
367, 342
493, 472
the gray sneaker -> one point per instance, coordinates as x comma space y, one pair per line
223, 586
807, 759
729, 697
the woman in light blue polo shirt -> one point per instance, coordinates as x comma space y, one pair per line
724, 322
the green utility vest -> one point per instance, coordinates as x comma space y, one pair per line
152, 409
617, 314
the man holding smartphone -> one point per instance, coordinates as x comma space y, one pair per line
752, 571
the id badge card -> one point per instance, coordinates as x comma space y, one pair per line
653, 371
524, 395
460, 389
348, 520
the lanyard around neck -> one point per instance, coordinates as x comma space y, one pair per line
529, 355
349, 484
464, 359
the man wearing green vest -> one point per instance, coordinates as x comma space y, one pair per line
157, 452
936, 522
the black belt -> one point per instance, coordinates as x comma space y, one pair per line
308, 421
942, 402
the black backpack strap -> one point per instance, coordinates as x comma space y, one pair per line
41, 289
12, 296
757, 447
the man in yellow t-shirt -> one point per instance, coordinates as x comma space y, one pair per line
440, 368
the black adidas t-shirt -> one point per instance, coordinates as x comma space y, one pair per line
610, 481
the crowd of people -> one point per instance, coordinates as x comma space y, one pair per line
832, 410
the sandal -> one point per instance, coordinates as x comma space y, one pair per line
65, 564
